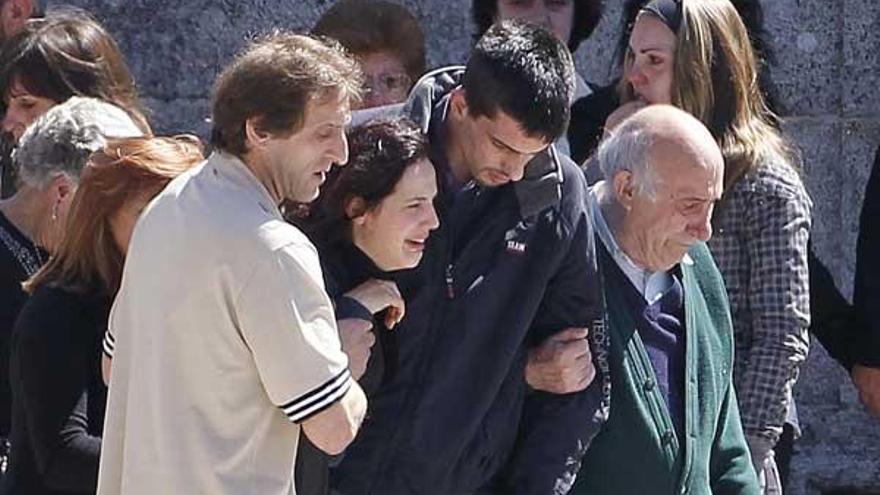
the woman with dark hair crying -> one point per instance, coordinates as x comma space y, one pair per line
370, 225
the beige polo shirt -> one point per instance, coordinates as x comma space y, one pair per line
222, 340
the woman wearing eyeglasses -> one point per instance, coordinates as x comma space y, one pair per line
387, 41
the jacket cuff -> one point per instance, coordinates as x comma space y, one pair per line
349, 307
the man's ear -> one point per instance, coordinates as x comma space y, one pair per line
459, 102
254, 134
624, 187
355, 210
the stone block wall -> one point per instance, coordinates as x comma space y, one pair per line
826, 69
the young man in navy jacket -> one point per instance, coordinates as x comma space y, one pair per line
502, 376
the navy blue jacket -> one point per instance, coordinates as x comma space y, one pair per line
345, 267
508, 267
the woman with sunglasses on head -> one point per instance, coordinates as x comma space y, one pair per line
58, 392
696, 55
589, 113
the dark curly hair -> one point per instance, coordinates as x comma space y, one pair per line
379, 153
587, 14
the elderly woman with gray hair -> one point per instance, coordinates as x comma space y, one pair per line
50, 158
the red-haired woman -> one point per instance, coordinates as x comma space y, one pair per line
58, 393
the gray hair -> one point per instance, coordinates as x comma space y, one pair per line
62, 139
628, 149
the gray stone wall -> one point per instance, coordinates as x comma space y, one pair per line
826, 71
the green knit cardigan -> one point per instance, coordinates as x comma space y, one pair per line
638, 451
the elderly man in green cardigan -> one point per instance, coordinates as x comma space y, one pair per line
674, 426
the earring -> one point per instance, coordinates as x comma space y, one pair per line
55, 211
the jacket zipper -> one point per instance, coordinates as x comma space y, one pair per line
450, 281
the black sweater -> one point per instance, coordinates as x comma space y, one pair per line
345, 267
851, 333
58, 396
587, 124
19, 259
866, 345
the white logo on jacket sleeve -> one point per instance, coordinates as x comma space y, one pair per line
516, 247
513, 245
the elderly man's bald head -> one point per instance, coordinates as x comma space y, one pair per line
665, 170
657, 130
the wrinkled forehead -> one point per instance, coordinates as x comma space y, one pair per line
328, 107
687, 170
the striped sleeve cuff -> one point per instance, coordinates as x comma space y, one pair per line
109, 344
318, 399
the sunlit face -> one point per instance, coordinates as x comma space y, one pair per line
495, 150
659, 229
122, 222
298, 164
22, 109
649, 60
557, 16
385, 78
393, 233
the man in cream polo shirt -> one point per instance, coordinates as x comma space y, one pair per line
223, 341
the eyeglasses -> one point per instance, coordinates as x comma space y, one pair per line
396, 83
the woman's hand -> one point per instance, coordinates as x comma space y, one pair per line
376, 295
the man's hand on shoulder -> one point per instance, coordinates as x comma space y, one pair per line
562, 364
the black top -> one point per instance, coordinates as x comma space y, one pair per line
831, 316
345, 267
851, 333
7, 171
866, 344
587, 124
19, 259
58, 394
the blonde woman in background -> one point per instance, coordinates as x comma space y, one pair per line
696, 55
